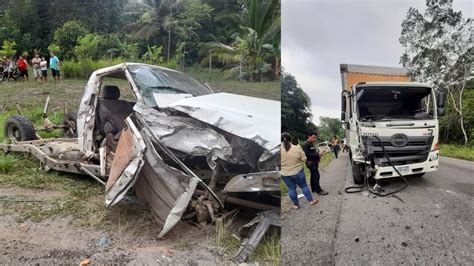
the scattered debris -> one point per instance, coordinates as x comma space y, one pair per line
260, 226
85, 262
103, 241
166, 251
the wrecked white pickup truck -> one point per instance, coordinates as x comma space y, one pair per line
184, 149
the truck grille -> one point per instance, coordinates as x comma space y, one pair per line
415, 151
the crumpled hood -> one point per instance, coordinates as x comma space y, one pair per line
251, 118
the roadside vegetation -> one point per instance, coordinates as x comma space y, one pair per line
464, 152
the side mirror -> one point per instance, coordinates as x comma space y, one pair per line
343, 116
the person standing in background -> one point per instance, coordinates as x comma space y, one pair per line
44, 69
292, 173
312, 163
54, 64
335, 145
35, 62
23, 68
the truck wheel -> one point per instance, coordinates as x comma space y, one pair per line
357, 173
70, 123
20, 128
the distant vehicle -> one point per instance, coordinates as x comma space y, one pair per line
391, 124
175, 133
323, 147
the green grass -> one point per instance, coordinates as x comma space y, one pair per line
325, 161
76, 191
7, 163
464, 152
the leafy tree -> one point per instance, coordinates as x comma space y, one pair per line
67, 37
438, 49
255, 37
329, 127
95, 46
450, 129
153, 55
8, 48
295, 108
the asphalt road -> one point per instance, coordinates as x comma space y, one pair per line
434, 226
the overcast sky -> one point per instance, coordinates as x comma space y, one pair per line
318, 35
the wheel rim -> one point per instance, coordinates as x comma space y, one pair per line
13, 132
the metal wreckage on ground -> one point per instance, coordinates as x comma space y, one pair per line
185, 150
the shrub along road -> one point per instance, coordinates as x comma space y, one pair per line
433, 226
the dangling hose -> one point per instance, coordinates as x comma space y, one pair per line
355, 189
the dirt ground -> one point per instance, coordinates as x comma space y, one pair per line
132, 240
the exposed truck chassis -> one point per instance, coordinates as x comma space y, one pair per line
149, 158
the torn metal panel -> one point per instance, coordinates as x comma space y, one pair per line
251, 118
166, 189
269, 159
126, 164
251, 238
185, 134
254, 182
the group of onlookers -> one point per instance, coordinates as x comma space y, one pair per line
39, 64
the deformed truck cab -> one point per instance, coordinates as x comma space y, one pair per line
175, 134
391, 124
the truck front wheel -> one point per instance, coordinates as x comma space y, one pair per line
357, 173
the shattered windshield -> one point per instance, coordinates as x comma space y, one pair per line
391, 103
159, 86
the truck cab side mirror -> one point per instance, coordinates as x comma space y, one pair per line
441, 99
343, 107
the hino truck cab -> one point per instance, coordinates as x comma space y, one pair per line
391, 125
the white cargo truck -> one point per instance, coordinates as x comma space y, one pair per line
391, 124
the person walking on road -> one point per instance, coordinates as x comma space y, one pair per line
292, 173
335, 145
312, 162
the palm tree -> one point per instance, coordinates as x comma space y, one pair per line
255, 34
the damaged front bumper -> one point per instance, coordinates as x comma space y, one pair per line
168, 185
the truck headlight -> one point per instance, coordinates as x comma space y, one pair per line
434, 157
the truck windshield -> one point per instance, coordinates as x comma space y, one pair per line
391, 103
159, 85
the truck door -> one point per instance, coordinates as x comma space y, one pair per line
127, 163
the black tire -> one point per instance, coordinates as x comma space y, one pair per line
70, 121
19, 128
357, 173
